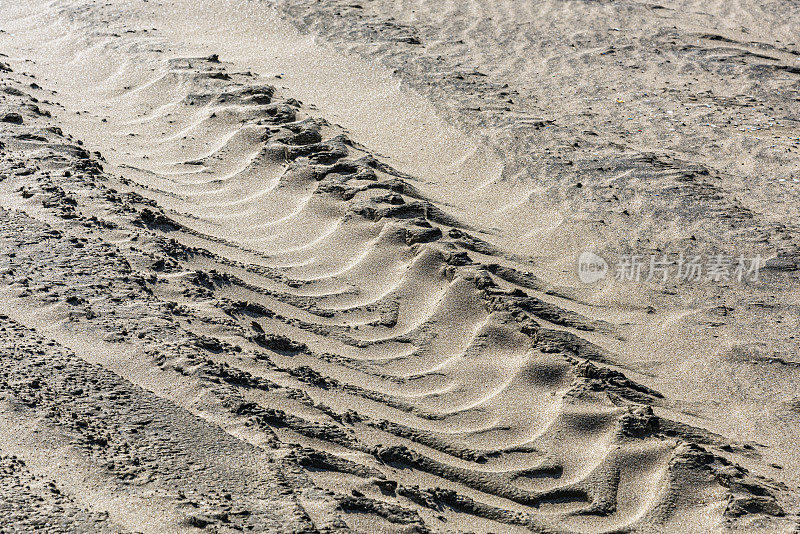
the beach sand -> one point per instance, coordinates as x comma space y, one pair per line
313, 267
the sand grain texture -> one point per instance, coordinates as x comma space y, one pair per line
224, 310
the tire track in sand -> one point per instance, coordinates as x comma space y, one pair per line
314, 302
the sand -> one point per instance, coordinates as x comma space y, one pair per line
311, 267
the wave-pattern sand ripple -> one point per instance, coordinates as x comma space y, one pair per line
298, 302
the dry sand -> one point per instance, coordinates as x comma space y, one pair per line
310, 267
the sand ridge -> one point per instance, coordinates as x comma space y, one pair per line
629, 128
326, 346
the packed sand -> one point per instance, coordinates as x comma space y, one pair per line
311, 266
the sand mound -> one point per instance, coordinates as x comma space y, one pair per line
238, 317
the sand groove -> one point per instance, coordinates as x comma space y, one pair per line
314, 313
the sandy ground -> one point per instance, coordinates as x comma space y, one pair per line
311, 267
